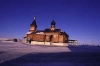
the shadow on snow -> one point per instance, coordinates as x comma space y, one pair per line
73, 57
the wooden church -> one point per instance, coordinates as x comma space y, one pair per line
51, 34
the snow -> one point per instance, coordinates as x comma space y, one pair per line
28, 32
4, 38
18, 54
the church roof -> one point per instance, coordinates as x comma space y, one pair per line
39, 32
64, 33
33, 23
49, 30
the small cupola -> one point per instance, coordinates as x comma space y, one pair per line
53, 22
53, 25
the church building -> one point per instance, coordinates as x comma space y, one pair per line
51, 34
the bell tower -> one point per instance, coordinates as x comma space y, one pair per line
53, 25
33, 25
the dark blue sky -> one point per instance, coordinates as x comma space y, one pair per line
79, 18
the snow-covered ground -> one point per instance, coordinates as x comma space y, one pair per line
18, 54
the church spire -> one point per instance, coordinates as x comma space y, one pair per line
33, 25
34, 22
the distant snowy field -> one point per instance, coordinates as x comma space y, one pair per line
18, 54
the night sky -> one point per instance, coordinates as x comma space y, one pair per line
79, 18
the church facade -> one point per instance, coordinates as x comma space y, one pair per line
51, 34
